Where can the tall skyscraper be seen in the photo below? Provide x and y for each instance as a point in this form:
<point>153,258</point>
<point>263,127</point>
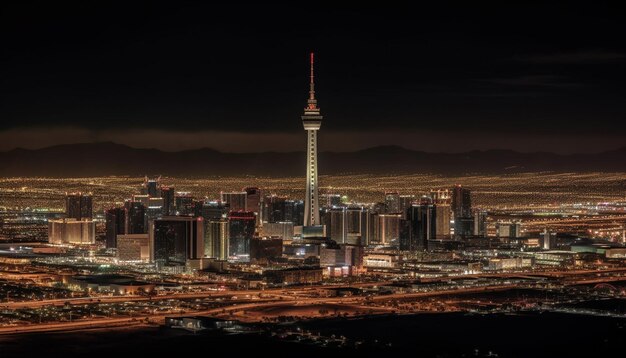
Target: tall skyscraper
<point>115,225</point>
<point>176,239</point>
<point>480,222</point>
<point>461,202</point>
<point>213,210</point>
<point>78,206</point>
<point>337,224</point>
<point>392,202</point>
<point>387,229</point>
<point>359,225</point>
<point>441,199</point>
<point>312,121</point>
<point>150,187</point>
<point>184,203</point>
<point>216,239</point>
<point>422,220</point>
<point>405,202</point>
<point>135,218</point>
<point>236,201</point>
<point>253,201</point>
<point>169,205</point>
<point>462,209</point>
<point>241,226</point>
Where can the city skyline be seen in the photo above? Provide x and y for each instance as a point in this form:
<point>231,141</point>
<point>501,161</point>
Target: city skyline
<point>466,196</point>
<point>459,79</point>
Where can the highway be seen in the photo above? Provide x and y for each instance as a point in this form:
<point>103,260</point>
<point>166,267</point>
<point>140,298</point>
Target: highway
<point>278,297</point>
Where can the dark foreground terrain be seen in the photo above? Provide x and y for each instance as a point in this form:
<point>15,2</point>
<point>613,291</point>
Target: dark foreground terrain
<point>426,335</point>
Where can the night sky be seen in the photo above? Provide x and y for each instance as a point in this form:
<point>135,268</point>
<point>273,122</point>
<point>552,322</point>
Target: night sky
<point>446,78</point>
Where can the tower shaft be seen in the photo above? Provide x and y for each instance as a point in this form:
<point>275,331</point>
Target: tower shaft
<point>311,121</point>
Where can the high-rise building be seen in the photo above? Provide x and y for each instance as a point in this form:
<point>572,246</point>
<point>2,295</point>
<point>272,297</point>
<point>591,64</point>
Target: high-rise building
<point>142,198</point>
<point>462,209</point>
<point>283,229</point>
<point>443,213</point>
<point>184,203</point>
<point>422,219</point>
<point>169,204</point>
<point>253,201</point>
<point>216,239</point>
<point>392,202</point>
<point>176,239</point>
<point>150,187</point>
<point>461,202</point>
<point>298,212</point>
<point>312,121</point>
<point>71,231</point>
<point>480,222</point>
<point>405,202</point>
<point>441,196</point>
<point>387,229</point>
<point>359,223</point>
<point>115,224</point>
<point>336,224</point>
<point>213,210</point>
<point>241,226</point>
<point>78,206</point>
<point>135,218</point>
<point>330,200</point>
<point>276,209</point>
<point>236,201</point>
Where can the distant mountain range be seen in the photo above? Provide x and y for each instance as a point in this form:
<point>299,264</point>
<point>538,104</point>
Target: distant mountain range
<point>103,159</point>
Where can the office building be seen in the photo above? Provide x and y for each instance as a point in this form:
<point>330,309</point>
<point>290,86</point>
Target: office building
<point>184,203</point>
<point>392,202</point>
<point>462,211</point>
<point>359,222</point>
<point>115,224</point>
<point>480,223</point>
<point>443,215</point>
<point>336,224</point>
<point>253,201</point>
<point>78,206</point>
<point>216,239</point>
<point>236,201</point>
<point>214,210</point>
<point>405,202</point>
<point>135,218</point>
<point>150,188</point>
<point>387,229</point>
<point>422,224</point>
<point>330,200</point>
<point>283,230</point>
<point>241,225</point>
<point>176,239</point>
<point>169,204</point>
